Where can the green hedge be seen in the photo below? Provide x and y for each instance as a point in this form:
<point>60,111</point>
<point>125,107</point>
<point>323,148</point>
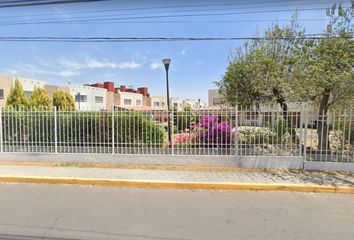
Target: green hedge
<point>131,129</point>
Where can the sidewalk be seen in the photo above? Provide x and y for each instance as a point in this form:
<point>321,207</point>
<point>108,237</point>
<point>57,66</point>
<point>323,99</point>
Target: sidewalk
<point>179,177</point>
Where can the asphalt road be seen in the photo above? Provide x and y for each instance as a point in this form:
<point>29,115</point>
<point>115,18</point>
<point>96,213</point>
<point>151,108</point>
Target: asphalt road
<point>58,212</point>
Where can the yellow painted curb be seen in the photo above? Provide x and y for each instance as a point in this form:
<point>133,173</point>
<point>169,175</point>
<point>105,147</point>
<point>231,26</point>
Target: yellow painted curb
<point>182,185</point>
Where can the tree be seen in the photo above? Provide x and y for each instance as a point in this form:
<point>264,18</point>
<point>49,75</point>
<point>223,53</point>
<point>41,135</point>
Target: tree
<point>262,71</point>
<point>326,68</point>
<point>63,100</point>
<point>17,97</point>
<point>40,99</point>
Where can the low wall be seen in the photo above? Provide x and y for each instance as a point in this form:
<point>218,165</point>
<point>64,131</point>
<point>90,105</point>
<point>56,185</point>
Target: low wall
<point>284,162</point>
<point>329,166</point>
<point>135,159</point>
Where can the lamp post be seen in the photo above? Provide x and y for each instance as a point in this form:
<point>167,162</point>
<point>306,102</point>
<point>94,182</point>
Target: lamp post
<point>167,62</point>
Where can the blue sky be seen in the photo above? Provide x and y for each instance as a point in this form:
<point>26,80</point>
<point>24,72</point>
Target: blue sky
<point>195,65</point>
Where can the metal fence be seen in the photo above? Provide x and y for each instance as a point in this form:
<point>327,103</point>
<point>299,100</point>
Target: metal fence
<point>204,132</point>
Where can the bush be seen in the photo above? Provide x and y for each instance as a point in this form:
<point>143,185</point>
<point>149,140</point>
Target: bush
<point>131,129</point>
<point>211,131</point>
<point>183,121</point>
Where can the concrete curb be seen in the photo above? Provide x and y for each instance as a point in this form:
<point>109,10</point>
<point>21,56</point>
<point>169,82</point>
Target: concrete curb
<point>181,185</point>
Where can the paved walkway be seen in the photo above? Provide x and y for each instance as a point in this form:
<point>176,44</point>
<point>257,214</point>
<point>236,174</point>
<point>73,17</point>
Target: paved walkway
<point>233,176</point>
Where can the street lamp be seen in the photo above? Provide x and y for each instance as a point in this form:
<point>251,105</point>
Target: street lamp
<point>167,62</point>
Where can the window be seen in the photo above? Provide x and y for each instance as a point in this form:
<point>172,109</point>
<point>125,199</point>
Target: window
<point>80,98</point>
<point>156,104</point>
<point>1,93</point>
<point>28,94</point>
<point>162,104</point>
<point>98,99</point>
<point>218,101</point>
<point>127,102</point>
<point>175,104</point>
<point>138,102</point>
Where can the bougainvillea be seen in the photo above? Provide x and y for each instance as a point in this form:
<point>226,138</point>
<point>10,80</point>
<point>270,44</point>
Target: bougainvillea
<point>212,131</point>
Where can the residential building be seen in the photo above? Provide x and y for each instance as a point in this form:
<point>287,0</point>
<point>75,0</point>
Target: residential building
<point>158,103</point>
<point>215,99</point>
<point>176,103</point>
<point>195,104</point>
<point>6,83</point>
<point>124,97</point>
<point>89,98</point>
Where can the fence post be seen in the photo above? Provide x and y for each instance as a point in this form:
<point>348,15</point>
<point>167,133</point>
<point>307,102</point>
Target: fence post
<point>305,137</point>
<point>301,130</point>
<point>113,130</point>
<point>55,131</point>
<point>1,131</point>
<point>172,132</point>
<point>236,134</point>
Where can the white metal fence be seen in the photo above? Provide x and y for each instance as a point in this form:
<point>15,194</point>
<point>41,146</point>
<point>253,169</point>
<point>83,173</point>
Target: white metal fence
<point>204,132</point>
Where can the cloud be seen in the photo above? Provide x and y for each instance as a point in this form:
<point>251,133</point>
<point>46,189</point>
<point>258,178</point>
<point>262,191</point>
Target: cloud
<point>67,73</point>
<point>90,63</point>
<point>184,51</point>
<point>30,69</point>
<point>155,65</point>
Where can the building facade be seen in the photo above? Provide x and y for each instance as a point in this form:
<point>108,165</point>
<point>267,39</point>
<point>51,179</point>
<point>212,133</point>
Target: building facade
<point>6,83</point>
<point>215,99</point>
<point>89,98</point>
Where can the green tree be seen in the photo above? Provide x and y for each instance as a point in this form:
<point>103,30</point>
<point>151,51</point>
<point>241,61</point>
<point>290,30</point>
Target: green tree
<point>326,68</point>
<point>17,97</point>
<point>63,100</point>
<point>40,99</point>
<point>262,71</point>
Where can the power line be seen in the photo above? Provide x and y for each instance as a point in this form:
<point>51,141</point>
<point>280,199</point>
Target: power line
<point>215,21</point>
<point>257,3</point>
<point>252,5</point>
<point>162,39</point>
<point>23,3</point>
<point>80,18</point>
<point>164,16</point>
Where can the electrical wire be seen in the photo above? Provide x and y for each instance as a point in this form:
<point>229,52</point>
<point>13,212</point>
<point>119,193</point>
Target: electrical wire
<point>10,4</point>
<point>162,16</point>
<point>164,39</point>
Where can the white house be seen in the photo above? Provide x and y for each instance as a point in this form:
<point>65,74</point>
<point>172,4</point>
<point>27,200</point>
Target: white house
<point>89,98</point>
<point>130,99</point>
<point>158,103</point>
<point>176,103</point>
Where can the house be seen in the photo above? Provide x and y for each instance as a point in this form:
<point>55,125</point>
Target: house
<point>6,83</point>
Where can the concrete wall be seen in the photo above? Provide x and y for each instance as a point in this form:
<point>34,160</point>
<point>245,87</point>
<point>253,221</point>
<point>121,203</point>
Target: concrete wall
<point>146,101</point>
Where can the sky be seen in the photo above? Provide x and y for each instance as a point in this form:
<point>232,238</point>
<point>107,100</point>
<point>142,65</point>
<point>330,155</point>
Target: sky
<point>195,66</point>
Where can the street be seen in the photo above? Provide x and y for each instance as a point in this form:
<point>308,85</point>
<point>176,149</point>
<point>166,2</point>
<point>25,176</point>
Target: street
<point>58,212</point>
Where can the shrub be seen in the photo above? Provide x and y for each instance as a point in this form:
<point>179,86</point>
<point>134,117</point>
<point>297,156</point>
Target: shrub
<point>63,101</point>
<point>183,120</point>
<point>213,132</point>
<point>75,129</point>
<point>131,129</point>
<point>17,98</point>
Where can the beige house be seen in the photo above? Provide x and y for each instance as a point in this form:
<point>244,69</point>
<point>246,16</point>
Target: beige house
<point>5,88</point>
<point>6,83</point>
